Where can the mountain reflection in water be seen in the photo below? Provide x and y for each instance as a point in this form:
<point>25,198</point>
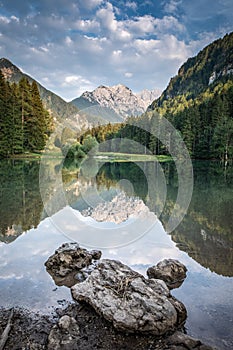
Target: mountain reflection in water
<point>206,232</point>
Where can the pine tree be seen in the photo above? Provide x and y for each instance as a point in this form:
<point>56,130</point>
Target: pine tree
<point>37,123</point>
<point>16,138</point>
<point>26,112</point>
<point>4,116</point>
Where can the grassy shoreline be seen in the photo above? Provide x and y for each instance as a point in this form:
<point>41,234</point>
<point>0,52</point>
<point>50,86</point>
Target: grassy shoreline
<point>128,157</point>
<point>100,156</point>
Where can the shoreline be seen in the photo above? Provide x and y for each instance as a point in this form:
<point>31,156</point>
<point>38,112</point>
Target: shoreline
<point>113,307</point>
<point>31,330</point>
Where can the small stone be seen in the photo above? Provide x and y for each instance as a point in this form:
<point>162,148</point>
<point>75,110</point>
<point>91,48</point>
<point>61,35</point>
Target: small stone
<point>64,335</point>
<point>179,340</point>
<point>171,271</point>
<point>64,322</point>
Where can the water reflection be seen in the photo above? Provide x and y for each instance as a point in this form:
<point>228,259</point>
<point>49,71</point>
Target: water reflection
<point>20,201</point>
<point>206,232</point>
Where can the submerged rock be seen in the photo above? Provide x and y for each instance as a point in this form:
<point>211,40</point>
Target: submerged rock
<point>130,301</point>
<point>171,271</point>
<point>70,264</point>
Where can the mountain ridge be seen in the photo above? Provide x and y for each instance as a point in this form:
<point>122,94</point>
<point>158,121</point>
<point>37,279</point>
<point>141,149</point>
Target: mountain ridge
<point>59,108</point>
<point>104,104</point>
<point>117,100</point>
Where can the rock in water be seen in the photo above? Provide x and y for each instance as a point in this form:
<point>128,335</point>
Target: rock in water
<point>171,271</point>
<point>130,301</point>
<point>70,264</point>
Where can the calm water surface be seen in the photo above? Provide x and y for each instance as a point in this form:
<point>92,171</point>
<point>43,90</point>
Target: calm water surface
<point>203,241</point>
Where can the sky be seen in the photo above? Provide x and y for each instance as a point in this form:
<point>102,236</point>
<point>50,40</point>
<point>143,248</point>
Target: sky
<point>71,46</point>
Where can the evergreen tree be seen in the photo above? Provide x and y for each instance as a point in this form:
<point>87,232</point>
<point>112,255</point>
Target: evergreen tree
<point>24,123</point>
<point>26,112</point>
<point>37,123</point>
<point>4,116</point>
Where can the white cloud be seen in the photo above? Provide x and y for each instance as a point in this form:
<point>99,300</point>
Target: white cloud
<point>128,75</point>
<point>90,4</point>
<point>87,25</point>
<point>45,49</point>
<point>168,23</point>
<point>107,17</point>
<point>171,6</point>
<point>68,41</point>
<point>78,84</point>
<point>14,18</point>
<point>146,46</point>
<point>131,4</point>
<point>117,54</point>
<point>141,25</point>
<point>173,49</point>
<point>115,29</point>
<point>123,35</point>
<point>4,19</point>
<point>72,79</point>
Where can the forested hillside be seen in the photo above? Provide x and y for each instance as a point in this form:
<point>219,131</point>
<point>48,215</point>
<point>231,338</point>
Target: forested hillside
<point>199,101</point>
<point>60,109</point>
<point>212,63</point>
<point>24,123</point>
<point>199,104</point>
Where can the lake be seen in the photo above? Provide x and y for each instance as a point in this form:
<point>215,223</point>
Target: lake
<point>42,207</point>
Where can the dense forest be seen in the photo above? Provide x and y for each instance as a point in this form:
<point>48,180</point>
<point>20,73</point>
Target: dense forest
<point>24,123</point>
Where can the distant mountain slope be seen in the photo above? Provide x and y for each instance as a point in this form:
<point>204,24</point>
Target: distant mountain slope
<point>212,64</point>
<point>115,103</point>
<point>199,101</point>
<point>60,109</point>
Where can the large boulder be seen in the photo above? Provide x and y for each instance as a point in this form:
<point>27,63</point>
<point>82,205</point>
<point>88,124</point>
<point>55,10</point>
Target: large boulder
<point>130,301</point>
<point>171,271</point>
<point>70,264</point>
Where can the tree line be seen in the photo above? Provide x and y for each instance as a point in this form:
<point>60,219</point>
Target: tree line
<point>205,123</point>
<point>25,124</point>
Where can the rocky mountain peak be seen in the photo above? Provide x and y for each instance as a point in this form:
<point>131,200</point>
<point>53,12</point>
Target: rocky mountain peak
<point>148,96</point>
<point>119,99</point>
<point>8,68</point>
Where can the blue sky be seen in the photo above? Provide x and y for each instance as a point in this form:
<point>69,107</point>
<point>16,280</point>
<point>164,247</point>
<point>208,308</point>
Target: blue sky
<point>71,46</point>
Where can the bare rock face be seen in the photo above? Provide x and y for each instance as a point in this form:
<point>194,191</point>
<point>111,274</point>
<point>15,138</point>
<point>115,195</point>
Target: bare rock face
<point>64,335</point>
<point>118,99</point>
<point>128,300</point>
<point>70,264</point>
<point>171,271</point>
